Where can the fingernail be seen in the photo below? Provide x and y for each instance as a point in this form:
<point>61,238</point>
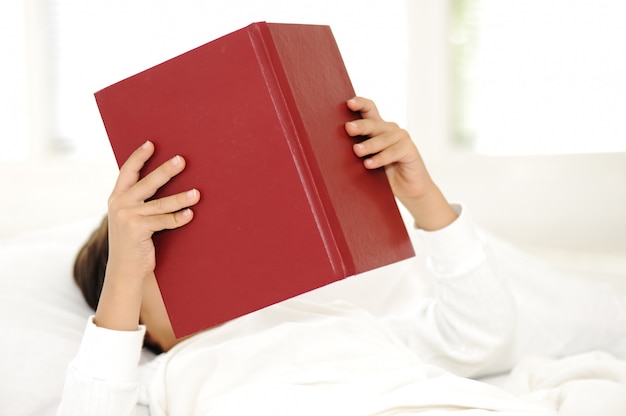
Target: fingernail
<point>176,160</point>
<point>359,146</point>
<point>146,144</point>
<point>186,212</point>
<point>192,193</point>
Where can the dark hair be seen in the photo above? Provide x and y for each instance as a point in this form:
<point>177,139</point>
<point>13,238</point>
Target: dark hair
<point>91,263</point>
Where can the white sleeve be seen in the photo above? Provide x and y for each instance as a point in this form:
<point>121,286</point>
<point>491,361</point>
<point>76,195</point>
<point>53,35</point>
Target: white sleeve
<point>103,378</point>
<point>468,326</point>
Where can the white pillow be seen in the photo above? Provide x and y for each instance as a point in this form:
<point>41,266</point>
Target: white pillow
<point>42,317</point>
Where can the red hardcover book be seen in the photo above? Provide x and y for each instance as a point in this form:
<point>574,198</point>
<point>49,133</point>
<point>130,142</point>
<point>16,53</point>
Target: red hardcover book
<point>286,206</point>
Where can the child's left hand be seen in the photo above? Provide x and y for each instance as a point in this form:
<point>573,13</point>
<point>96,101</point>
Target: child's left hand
<point>391,147</point>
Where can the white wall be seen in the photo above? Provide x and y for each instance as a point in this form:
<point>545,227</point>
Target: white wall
<point>99,42</point>
<point>576,202</point>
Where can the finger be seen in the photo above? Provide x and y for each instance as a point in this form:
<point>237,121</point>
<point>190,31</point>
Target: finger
<point>366,107</point>
<point>384,158</point>
<point>369,127</point>
<point>150,183</point>
<point>170,204</point>
<point>376,144</point>
<point>169,221</point>
<point>402,151</point>
<point>129,172</point>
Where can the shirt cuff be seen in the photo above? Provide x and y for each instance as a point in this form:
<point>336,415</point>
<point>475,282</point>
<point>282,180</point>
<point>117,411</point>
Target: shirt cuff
<point>110,355</point>
<point>455,249</point>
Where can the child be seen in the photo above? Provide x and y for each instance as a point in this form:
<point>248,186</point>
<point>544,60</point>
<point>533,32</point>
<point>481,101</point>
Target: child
<point>467,329</point>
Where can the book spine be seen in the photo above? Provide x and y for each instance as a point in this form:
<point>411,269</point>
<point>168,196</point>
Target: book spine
<point>295,134</point>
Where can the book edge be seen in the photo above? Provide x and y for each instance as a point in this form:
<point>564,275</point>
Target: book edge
<point>278,86</point>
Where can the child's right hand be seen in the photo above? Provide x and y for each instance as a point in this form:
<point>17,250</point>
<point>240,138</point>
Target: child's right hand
<point>132,222</point>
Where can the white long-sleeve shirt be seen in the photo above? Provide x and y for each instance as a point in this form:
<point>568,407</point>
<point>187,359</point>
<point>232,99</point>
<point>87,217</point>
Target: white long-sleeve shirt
<point>466,327</point>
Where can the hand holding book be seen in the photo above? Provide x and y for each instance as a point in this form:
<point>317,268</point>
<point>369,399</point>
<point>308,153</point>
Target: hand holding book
<point>391,147</point>
<point>129,285</point>
<point>134,218</point>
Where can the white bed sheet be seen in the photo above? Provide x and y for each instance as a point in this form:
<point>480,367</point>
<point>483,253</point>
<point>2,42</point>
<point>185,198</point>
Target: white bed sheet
<point>42,317</point>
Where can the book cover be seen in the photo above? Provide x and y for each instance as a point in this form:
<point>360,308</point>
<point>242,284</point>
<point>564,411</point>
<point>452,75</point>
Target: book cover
<point>286,206</point>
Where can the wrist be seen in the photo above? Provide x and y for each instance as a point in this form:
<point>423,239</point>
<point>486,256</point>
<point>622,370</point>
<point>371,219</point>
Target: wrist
<point>430,211</point>
<point>133,268</point>
<point>120,302</point>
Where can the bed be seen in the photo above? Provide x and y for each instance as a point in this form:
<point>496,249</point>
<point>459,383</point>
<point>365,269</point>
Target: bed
<point>570,344</point>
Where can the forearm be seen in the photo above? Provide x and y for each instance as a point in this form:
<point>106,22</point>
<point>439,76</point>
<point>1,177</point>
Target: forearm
<point>120,302</point>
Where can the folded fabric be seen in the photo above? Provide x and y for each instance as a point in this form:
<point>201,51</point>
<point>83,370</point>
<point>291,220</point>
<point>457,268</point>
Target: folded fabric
<point>322,359</point>
<point>592,383</point>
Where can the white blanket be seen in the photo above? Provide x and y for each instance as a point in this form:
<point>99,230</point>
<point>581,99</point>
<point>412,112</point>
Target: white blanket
<point>42,318</point>
<point>359,369</point>
<point>586,384</point>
